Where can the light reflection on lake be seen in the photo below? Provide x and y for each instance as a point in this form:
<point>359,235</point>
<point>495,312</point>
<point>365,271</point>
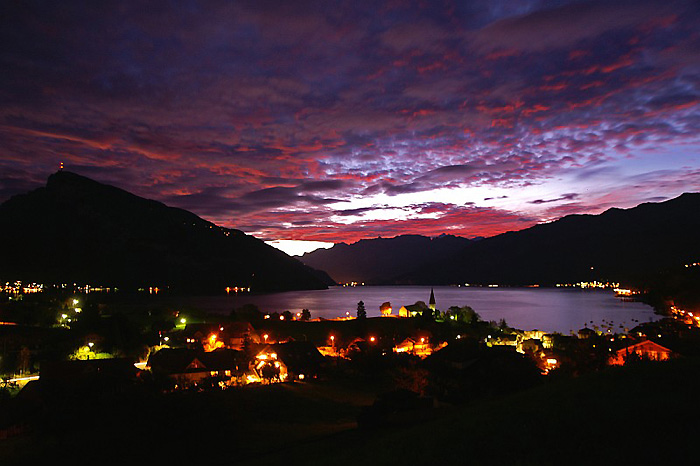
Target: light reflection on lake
<point>548,309</point>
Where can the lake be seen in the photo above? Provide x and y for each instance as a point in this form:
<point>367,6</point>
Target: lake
<point>548,309</point>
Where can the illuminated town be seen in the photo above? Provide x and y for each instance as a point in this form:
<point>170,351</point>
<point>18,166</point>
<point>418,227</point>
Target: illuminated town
<point>439,357</point>
<point>257,348</point>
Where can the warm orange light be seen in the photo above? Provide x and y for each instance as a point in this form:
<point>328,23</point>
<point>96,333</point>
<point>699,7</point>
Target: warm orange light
<point>372,339</point>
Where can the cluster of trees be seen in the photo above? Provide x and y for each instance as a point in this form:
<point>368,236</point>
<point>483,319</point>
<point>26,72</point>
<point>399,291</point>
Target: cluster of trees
<point>462,314</point>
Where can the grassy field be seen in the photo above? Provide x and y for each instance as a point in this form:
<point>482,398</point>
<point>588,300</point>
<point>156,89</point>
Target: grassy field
<point>227,426</point>
<point>643,414</point>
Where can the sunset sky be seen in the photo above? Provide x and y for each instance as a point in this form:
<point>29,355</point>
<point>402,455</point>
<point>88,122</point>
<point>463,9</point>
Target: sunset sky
<point>336,121</point>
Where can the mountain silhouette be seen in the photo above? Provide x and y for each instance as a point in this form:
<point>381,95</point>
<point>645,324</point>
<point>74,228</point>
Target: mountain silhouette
<point>380,260</point>
<point>76,230</point>
<point>628,245</point>
<point>635,246</point>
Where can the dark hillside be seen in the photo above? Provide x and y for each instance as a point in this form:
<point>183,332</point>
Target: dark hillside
<point>78,230</point>
<point>632,245</point>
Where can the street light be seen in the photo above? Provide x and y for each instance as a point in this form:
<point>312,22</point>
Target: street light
<point>90,344</point>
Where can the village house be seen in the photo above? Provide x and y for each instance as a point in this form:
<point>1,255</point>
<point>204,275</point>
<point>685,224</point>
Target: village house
<point>646,349</point>
<point>385,309</point>
<point>419,346</point>
<point>587,333</point>
<point>189,367</point>
<point>293,360</point>
<point>230,335</point>
<point>179,364</point>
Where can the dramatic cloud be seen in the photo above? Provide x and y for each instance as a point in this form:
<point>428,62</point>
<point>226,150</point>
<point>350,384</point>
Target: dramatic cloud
<point>336,121</point>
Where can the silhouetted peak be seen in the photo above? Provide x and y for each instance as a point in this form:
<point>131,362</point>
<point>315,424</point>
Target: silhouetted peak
<point>85,231</point>
<point>63,178</point>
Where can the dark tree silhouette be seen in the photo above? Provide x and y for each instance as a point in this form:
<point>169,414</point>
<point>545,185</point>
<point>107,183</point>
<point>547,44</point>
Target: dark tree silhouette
<point>361,312</point>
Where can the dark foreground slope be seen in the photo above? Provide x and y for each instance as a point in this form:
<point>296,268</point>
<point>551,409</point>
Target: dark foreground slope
<point>379,260</point>
<point>631,245</point>
<point>641,414</point>
<point>78,230</point>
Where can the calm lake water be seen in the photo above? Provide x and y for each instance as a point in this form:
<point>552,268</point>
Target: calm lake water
<point>551,310</point>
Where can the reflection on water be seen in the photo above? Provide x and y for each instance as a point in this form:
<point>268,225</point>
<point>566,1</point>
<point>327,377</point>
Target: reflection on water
<point>551,310</point>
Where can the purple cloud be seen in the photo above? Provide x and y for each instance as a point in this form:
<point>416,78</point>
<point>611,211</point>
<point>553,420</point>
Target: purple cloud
<point>265,115</point>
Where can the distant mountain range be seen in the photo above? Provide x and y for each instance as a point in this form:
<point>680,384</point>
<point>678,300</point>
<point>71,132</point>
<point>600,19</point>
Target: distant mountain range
<point>78,230</point>
<point>629,245</point>
<point>383,260</point>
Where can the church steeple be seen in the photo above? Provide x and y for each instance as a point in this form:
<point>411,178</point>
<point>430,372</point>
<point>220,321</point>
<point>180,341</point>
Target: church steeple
<point>431,303</point>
